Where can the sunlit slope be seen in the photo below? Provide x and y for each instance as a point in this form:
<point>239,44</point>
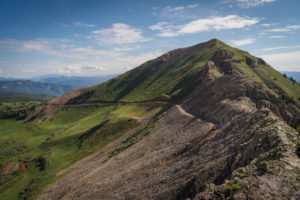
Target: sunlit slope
<point>45,148</point>
<point>176,73</point>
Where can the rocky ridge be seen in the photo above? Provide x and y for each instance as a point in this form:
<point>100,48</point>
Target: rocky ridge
<point>252,156</point>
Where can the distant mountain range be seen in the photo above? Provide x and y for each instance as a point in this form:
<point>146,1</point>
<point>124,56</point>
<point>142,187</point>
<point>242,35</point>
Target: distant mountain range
<point>46,86</point>
<point>32,87</point>
<point>21,96</point>
<point>74,81</point>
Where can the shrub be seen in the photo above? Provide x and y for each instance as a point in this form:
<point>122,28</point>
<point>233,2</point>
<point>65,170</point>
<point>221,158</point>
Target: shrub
<point>232,188</point>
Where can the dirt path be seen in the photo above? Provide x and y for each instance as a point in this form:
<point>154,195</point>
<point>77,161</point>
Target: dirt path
<point>182,111</point>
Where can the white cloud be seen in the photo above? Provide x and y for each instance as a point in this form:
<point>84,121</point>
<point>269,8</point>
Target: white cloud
<point>242,42</point>
<point>126,48</point>
<point>28,70</point>
<point>90,51</point>
<point>289,61</point>
<point>277,36</point>
<point>93,68</point>
<point>78,69</point>
<point>119,34</point>
<point>84,24</point>
<point>177,12</point>
<point>217,23</point>
<point>41,45</point>
<point>178,8</point>
<point>268,25</point>
<point>252,3</point>
<point>286,29</point>
<point>281,47</point>
<point>0,71</point>
<point>201,25</point>
<point>192,6</point>
<point>166,29</point>
<point>55,47</point>
<point>106,65</point>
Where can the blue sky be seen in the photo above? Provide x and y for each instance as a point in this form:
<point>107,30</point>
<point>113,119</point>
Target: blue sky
<point>89,37</point>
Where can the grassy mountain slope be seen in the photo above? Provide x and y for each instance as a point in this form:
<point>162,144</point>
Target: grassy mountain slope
<point>175,74</point>
<point>128,122</point>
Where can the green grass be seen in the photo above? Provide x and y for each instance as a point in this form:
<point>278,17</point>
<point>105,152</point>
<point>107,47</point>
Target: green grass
<point>152,80</point>
<point>230,189</point>
<point>48,147</point>
<point>171,80</point>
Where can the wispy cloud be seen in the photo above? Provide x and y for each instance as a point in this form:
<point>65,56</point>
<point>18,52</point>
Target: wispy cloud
<point>268,25</point>
<point>40,45</point>
<point>126,48</point>
<point>192,6</point>
<point>281,47</point>
<point>108,65</point>
<point>78,23</point>
<point>242,42</point>
<point>166,29</point>
<point>84,24</point>
<point>176,12</point>
<point>285,29</point>
<point>93,68</point>
<point>289,63</point>
<point>277,36</point>
<point>207,24</point>
<point>218,23</point>
<point>119,34</point>
<point>174,9</point>
<point>62,24</point>
<point>252,3</point>
<point>60,48</point>
<point>75,59</point>
<point>28,70</point>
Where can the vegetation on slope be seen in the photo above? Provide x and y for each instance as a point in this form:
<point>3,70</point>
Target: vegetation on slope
<point>17,109</point>
<point>32,152</point>
<point>175,74</point>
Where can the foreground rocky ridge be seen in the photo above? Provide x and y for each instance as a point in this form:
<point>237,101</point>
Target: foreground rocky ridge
<point>185,155</point>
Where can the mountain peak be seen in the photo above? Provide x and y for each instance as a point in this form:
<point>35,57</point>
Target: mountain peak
<point>214,41</point>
